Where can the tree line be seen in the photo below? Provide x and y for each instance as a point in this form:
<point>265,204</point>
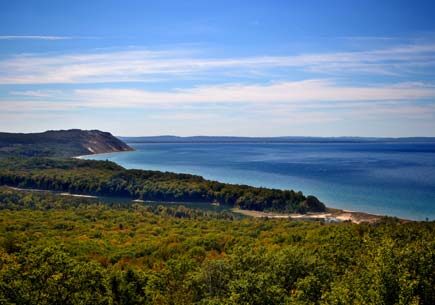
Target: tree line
<point>109,179</point>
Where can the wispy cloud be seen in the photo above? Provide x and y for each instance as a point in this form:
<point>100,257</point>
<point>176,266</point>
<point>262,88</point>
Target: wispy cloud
<point>33,37</point>
<point>29,106</point>
<point>36,93</point>
<point>278,93</point>
<point>307,93</point>
<point>284,92</point>
<point>146,65</point>
<point>270,109</point>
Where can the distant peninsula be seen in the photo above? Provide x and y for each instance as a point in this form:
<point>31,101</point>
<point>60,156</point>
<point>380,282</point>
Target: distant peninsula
<point>284,139</point>
<point>60,143</point>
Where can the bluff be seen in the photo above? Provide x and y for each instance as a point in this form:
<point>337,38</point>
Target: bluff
<point>60,143</point>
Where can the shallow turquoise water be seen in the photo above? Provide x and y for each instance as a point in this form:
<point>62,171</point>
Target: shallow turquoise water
<point>386,178</point>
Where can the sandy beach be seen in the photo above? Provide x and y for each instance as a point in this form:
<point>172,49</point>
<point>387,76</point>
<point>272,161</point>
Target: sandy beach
<point>333,215</point>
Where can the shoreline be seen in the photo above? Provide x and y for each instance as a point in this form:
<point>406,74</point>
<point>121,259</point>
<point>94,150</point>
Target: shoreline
<point>49,191</point>
<point>330,215</point>
<point>81,157</point>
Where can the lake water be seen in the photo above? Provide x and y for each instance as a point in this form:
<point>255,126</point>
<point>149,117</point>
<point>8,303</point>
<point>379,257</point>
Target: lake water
<point>387,178</point>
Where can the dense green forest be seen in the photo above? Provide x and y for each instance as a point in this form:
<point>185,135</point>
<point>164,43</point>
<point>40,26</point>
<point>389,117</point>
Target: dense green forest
<point>62,250</point>
<point>109,179</point>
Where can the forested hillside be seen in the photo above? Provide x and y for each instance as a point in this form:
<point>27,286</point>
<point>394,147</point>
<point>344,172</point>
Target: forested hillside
<point>62,250</point>
<point>59,143</point>
<point>109,179</point>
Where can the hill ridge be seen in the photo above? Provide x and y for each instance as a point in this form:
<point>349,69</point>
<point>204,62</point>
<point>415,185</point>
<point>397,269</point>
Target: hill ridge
<point>60,143</point>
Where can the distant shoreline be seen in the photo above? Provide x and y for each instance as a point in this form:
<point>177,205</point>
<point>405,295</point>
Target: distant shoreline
<point>270,140</point>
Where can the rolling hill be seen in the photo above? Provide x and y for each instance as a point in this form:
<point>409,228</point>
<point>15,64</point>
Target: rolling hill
<point>60,143</point>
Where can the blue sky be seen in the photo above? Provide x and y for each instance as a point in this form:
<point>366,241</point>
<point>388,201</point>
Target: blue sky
<point>253,68</point>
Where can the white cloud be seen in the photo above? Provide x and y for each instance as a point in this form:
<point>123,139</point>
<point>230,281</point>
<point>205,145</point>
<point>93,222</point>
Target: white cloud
<point>146,65</point>
<point>309,94</point>
<point>37,93</point>
<point>284,92</point>
<point>302,108</point>
<point>33,37</point>
<point>28,106</point>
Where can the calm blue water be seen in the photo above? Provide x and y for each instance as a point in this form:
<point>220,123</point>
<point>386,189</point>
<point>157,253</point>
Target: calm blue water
<point>383,178</point>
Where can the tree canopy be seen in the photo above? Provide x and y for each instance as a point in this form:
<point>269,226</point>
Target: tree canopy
<point>109,179</point>
<point>62,250</point>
